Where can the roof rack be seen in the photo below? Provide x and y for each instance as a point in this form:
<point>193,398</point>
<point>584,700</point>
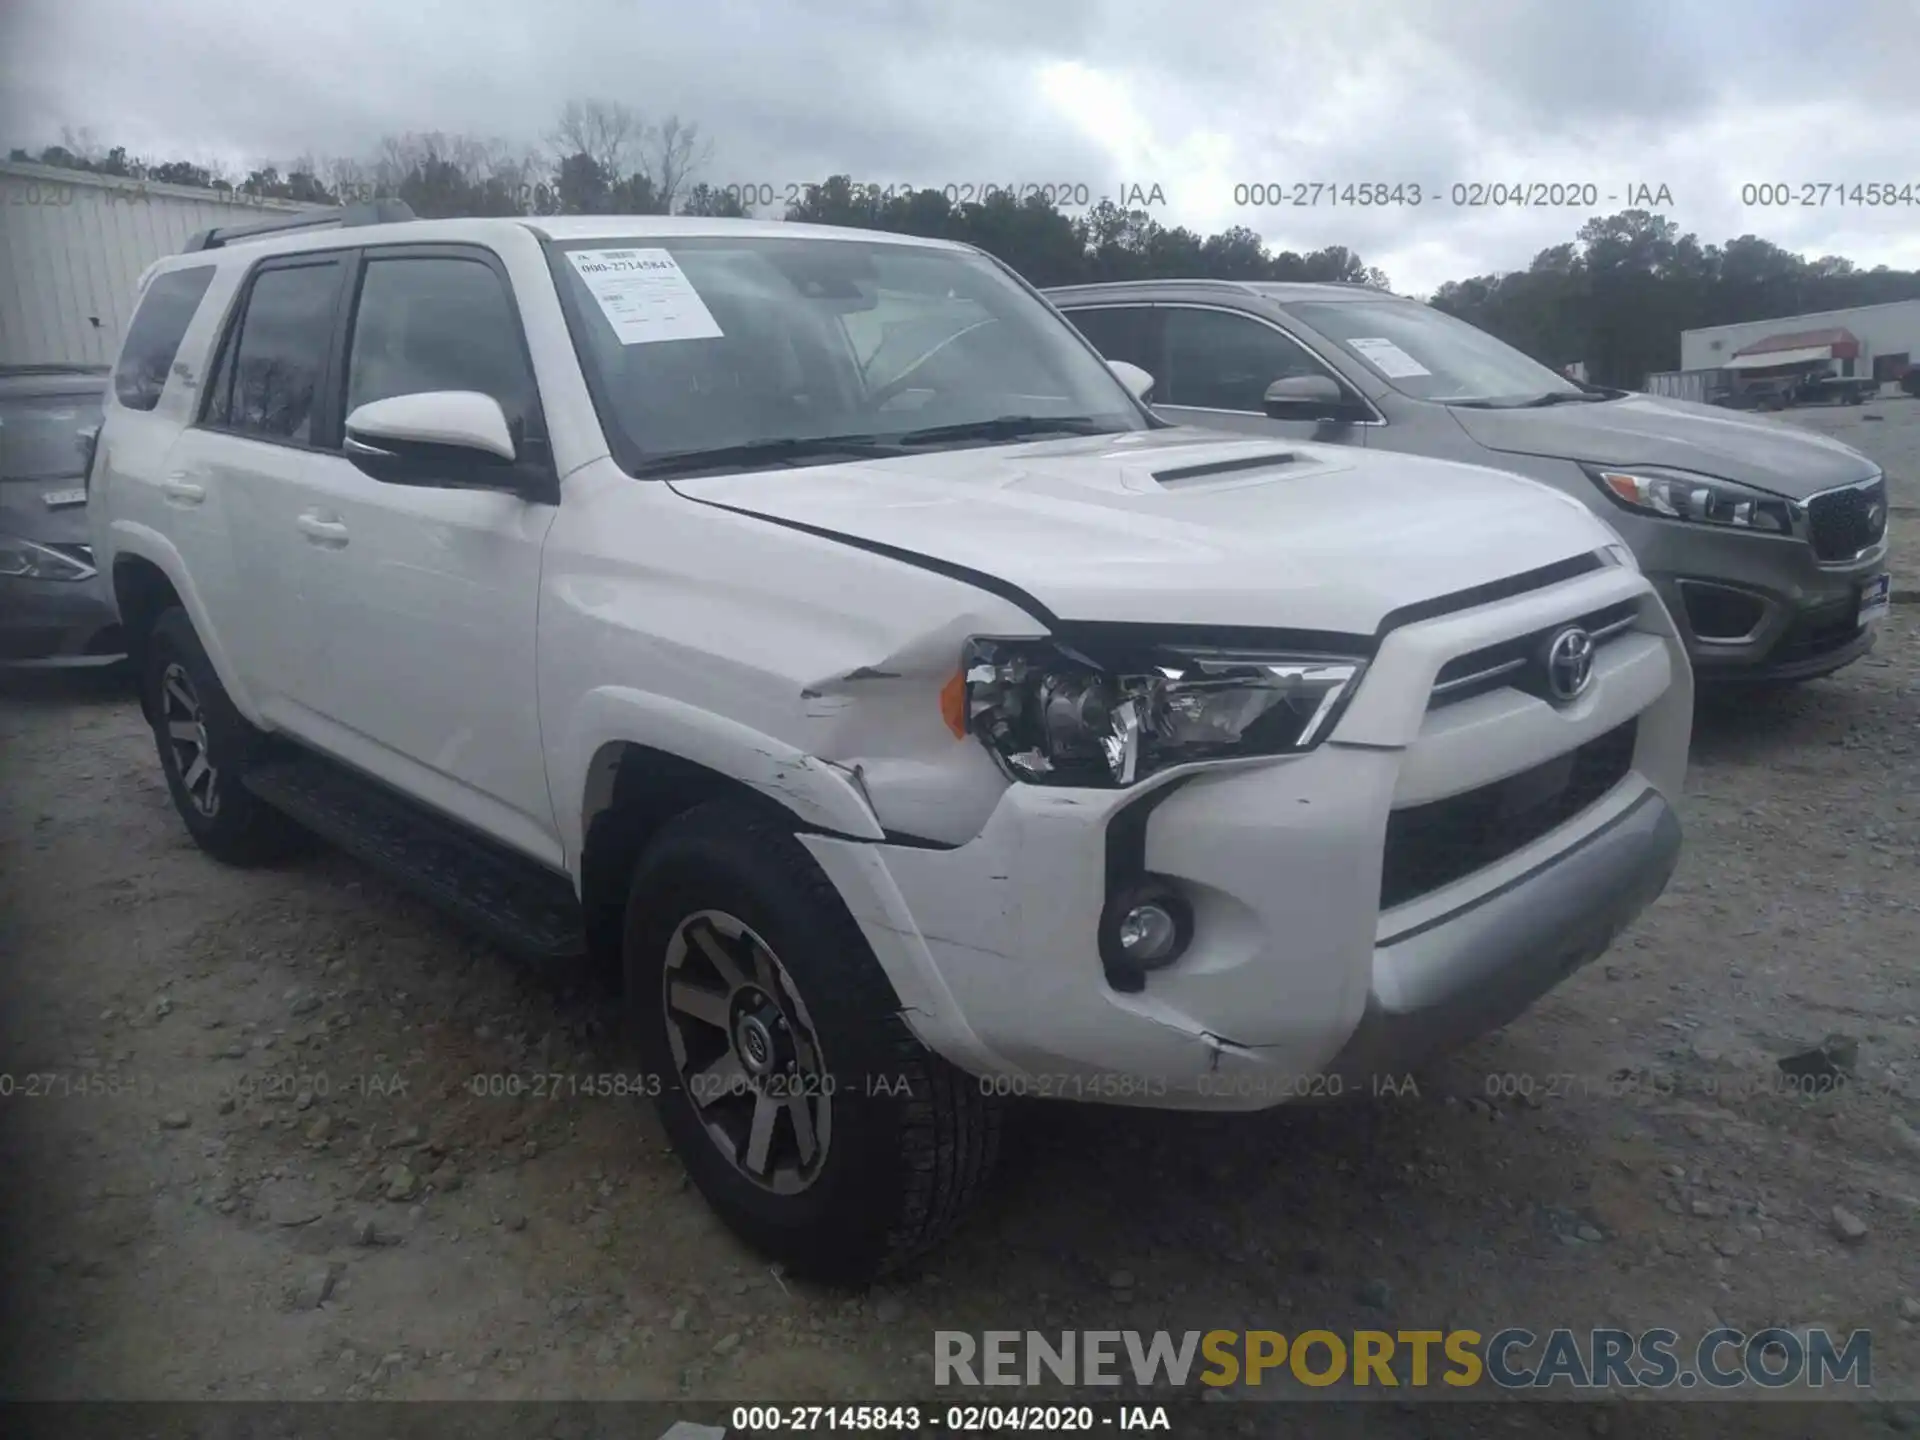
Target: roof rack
<point>56,367</point>
<point>373,212</point>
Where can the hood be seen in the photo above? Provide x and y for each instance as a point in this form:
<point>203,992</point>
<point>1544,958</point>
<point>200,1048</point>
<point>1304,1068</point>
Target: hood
<point>1184,526</point>
<point>1652,430</point>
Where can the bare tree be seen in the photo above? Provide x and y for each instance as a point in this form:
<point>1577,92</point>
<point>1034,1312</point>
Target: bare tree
<point>606,131</point>
<point>674,154</point>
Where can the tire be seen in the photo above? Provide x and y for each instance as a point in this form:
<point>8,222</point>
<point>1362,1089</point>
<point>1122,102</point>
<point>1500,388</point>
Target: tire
<point>180,689</point>
<point>903,1142</point>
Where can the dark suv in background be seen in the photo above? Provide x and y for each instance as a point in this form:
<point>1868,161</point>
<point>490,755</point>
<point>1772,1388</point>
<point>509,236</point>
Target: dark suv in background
<point>1767,542</point>
<point>55,608</point>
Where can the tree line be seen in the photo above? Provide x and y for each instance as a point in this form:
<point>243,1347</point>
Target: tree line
<point>1616,297</point>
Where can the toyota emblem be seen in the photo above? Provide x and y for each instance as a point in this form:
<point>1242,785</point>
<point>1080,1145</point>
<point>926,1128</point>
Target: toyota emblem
<point>1570,664</point>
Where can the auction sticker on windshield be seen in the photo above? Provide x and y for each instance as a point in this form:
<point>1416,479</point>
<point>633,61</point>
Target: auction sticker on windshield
<point>1876,597</point>
<point>1388,358</point>
<point>645,296</point>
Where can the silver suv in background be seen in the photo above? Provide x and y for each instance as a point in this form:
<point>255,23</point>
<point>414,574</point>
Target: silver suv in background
<point>1767,542</point>
<point>55,609</point>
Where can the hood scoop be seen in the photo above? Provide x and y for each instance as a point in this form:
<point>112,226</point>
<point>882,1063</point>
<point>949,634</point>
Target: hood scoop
<point>1187,474</point>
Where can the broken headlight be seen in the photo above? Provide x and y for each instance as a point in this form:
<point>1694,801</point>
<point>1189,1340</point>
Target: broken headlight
<point>1054,717</point>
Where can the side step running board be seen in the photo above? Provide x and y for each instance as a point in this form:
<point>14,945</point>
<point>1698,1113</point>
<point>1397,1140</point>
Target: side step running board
<point>514,902</point>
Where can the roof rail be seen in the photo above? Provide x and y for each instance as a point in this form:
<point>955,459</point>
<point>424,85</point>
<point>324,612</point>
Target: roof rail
<point>372,212</point>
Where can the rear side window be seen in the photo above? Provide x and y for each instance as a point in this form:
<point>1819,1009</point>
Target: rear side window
<point>437,323</point>
<point>153,339</point>
<point>272,370</point>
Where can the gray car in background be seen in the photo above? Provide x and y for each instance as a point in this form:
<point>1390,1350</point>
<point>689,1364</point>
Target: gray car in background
<point>55,608</point>
<point>1767,542</point>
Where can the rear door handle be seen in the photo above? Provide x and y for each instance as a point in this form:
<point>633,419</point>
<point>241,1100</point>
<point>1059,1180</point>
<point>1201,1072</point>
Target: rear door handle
<point>322,529</point>
<point>182,490</point>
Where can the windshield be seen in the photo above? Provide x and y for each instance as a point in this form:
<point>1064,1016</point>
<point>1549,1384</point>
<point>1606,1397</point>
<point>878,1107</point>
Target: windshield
<point>40,435</point>
<point>1428,354</point>
<point>696,344</point>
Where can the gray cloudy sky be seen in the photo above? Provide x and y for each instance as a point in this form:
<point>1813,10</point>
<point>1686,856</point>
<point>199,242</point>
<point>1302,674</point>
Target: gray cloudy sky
<point>1196,96</point>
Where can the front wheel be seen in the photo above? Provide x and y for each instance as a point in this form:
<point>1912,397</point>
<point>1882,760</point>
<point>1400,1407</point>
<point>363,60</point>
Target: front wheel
<point>204,743</point>
<point>811,1118</point>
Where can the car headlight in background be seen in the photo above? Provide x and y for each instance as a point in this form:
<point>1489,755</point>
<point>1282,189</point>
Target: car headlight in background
<point>1697,498</point>
<point>26,560</point>
<point>1054,717</point>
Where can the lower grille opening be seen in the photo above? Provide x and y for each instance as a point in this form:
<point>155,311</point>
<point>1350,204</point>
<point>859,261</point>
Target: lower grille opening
<point>1814,635</point>
<point>1717,613</point>
<point>1432,845</point>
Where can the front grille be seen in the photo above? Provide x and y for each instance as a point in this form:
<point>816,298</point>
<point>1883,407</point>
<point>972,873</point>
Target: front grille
<point>1842,523</point>
<point>1521,663</point>
<point>1446,840</point>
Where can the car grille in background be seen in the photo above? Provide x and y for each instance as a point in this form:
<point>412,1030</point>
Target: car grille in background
<point>1842,523</point>
<point>1521,663</point>
<point>1446,840</point>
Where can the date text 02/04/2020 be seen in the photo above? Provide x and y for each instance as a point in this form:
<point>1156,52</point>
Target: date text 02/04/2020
<point>1273,1089</point>
<point>959,1419</point>
<point>1070,194</point>
<point>1466,194</point>
<point>86,1084</point>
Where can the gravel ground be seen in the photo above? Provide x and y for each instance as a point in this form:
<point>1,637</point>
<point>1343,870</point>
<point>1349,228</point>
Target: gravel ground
<point>280,1184</point>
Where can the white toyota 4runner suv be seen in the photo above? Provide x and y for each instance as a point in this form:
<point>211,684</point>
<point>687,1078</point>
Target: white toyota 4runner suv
<point>810,623</point>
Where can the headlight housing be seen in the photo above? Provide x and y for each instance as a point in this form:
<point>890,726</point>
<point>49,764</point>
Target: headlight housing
<point>27,560</point>
<point>1054,717</point>
<point>1700,499</point>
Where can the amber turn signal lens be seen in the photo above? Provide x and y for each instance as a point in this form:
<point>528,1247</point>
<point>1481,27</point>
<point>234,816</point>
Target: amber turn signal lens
<point>953,704</point>
<point>1624,486</point>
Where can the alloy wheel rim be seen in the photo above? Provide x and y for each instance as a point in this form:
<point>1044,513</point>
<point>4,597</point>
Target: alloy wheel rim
<point>746,1052</point>
<point>185,724</point>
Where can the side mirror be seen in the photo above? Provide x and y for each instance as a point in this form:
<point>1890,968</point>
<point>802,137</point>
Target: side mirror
<point>1137,381</point>
<point>1310,397</point>
<point>458,439</point>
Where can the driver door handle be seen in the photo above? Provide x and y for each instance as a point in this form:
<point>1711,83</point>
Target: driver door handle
<point>182,489</point>
<point>323,529</point>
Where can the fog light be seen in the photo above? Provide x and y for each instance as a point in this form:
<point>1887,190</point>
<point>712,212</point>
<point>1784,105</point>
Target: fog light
<point>1147,926</point>
<point>1148,933</point>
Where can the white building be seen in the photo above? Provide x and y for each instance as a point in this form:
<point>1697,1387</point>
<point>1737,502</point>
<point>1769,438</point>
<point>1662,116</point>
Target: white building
<point>1882,340</point>
<point>73,245</point>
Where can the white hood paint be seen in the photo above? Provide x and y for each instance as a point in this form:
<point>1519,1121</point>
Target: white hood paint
<point>1334,540</point>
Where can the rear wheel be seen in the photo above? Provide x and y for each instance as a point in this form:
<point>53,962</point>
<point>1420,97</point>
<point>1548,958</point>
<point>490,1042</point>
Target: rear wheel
<point>204,744</point>
<point>810,1117</point>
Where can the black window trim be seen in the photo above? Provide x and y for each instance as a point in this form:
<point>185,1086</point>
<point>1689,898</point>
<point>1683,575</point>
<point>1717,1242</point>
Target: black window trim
<point>538,465</point>
<point>325,420</point>
<point>1379,418</point>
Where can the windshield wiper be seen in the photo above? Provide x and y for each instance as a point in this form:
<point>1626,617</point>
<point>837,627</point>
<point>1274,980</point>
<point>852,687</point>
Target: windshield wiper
<point>790,450</point>
<point>1534,402</point>
<point>1009,427</point>
<point>1559,397</point>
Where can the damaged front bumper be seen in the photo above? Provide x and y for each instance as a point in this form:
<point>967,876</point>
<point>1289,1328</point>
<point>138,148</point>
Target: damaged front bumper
<point>1293,989</point>
<point>1306,976</point>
